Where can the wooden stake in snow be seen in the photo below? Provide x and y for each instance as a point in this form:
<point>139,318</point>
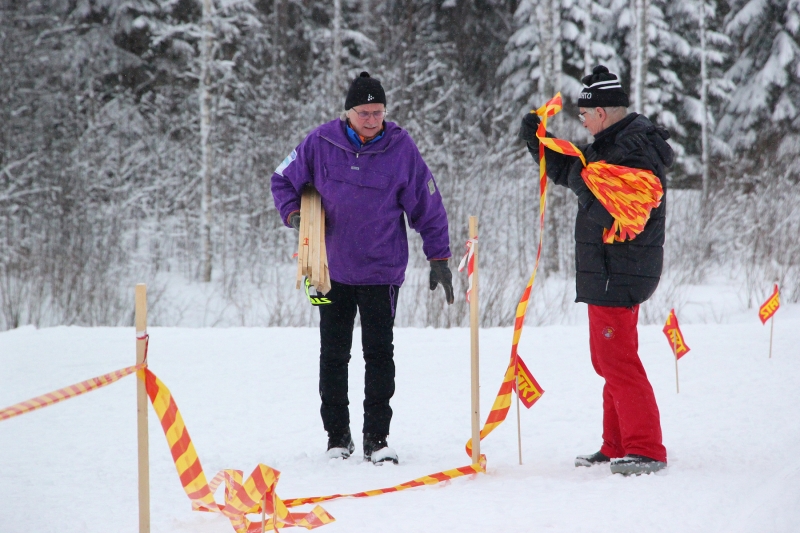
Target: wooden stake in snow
<point>474,324</point>
<point>519,426</point>
<point>312,255</point>
<point>141,410</point>
<point>677,385</point>
<point>771,330</point>
<point>264,514</point>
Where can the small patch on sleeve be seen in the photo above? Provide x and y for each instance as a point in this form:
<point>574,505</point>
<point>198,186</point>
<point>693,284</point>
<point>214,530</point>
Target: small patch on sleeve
<point>431,186</point>
<point>286,162</point>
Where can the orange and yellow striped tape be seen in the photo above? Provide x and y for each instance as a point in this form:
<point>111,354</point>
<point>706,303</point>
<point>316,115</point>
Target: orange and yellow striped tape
<point>502,402</point>
<point>51,398</point>
<point>430,479</point>
<point>241,498</point>
<point>629,194</point>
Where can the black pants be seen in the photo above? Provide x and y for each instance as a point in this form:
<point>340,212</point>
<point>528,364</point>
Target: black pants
<point>376,304</point>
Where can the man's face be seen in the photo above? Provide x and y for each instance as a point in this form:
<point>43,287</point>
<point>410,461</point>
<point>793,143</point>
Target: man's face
<point>367,119</point>
<point>594,119</point>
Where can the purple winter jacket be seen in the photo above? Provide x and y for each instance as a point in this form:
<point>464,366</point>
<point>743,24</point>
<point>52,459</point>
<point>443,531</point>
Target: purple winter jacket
<point>365,193</point>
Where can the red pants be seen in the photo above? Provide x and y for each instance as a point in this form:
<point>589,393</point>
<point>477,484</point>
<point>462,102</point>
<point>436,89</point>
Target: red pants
<point>631,422</point>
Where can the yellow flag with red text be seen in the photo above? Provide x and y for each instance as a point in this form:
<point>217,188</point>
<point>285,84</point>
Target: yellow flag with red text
<point>529,391</point>
<point>674,335</point>
<point>769,307</point>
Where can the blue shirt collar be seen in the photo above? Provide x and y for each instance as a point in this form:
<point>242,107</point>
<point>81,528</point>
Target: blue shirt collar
<point>356,140</point>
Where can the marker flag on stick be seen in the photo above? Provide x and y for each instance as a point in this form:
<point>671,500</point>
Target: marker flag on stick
<point>769,307</point>
<point>674,335</point>
<point>529,390</point>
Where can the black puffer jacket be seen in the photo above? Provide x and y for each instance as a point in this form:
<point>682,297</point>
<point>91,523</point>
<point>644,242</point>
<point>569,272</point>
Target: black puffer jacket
<point>621,274</point>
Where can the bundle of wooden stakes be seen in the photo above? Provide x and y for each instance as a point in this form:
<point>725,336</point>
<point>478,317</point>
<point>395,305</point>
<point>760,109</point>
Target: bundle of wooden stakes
<point>312,257</point>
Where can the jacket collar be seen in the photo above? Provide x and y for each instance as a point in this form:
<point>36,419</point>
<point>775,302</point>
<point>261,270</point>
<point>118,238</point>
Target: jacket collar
<point>335,132</point>
<point>359,141</point>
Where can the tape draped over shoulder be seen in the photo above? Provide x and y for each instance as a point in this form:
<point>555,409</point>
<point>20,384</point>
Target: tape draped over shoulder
<point>619,235</point>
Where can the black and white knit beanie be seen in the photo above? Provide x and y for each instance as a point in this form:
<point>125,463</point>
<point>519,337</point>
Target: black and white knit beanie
<point>602,89</point>
<point>364,90</point>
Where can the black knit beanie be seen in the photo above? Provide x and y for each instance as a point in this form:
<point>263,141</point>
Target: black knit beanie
<point>602,89</point>
<point>364,90</point>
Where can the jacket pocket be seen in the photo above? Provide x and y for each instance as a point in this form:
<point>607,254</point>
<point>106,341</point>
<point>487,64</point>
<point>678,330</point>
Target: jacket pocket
<point>356,175</point>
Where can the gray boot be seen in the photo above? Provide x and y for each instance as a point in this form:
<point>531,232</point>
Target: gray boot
<point>636,465</point>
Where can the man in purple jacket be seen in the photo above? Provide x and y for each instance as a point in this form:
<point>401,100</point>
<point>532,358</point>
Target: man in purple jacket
<point>369,174</point>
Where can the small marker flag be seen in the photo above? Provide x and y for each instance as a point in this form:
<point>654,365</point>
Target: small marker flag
<point>674,336</point>
<point>529,390</point>
<point>766,311</point>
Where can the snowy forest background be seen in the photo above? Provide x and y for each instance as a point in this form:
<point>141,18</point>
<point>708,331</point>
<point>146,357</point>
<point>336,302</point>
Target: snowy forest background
<point>138,140</point>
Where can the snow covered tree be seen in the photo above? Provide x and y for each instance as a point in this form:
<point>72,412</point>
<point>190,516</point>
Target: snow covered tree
<point>761,121</point>
<point>561,40</point>
<point>554,46</point>
<point>702,51</point>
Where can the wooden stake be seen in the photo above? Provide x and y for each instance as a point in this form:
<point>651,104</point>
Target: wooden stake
<point>474,324</point>
<point>141,410</point>
<point>771,329</point>
<point>312,256</point>
<point>519,427</point>
<point>325,285</point>
<point>316,261</point>
<point>300,237</point>
<point>677,387</point>
<point>264,514</point>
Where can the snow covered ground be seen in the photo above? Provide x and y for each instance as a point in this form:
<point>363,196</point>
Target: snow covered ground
<point>249,395</point>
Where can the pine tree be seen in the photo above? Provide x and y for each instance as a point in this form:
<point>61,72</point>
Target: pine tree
<point>702,51</point>
<point>761,120</point>
<point>553,47</point>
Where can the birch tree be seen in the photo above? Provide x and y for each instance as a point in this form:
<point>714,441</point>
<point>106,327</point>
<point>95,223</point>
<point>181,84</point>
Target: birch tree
<point>639,60</point>
<point>204,95</point>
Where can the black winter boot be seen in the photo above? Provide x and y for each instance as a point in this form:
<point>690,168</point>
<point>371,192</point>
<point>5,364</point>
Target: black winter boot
<point>596,458</point>
<point>377,450</point>
<point>340,445</point>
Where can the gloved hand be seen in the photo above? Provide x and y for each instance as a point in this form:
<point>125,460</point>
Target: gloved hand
<point>440,273</point>
<point>294,220</point>
<point>578,186</point>
<point>527,128</point>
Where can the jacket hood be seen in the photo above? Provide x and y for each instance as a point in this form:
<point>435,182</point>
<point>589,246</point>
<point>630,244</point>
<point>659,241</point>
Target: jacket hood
<point>636,129</point>
<point>657,135</point>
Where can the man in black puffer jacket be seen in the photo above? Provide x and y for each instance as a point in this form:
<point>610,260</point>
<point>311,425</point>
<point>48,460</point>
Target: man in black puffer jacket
<point>615,278</point>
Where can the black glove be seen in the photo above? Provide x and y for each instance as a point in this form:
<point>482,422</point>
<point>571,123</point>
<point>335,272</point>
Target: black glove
<point>440,273</point>
<point>294,220</point>
<point>578,186</point>
<point>527,128</point>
